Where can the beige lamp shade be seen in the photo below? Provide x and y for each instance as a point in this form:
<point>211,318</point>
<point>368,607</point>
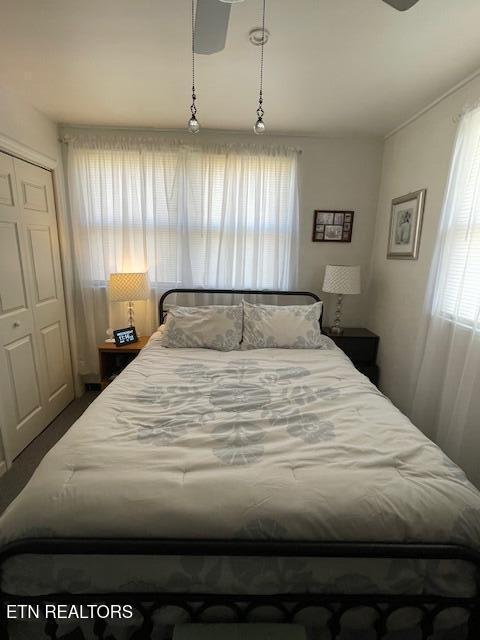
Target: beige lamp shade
<point>126,287</point>
<point>342,279</point>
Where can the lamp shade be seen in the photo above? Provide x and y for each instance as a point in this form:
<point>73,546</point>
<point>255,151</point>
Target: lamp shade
<point>126,287</point>
<point>342,279</point>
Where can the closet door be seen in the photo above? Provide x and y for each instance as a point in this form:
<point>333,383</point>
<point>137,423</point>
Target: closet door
<point>37,206</point>
<point>23,415</point>
<point>34,355</point>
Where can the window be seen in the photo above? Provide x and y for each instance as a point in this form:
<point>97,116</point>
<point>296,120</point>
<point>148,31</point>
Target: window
<point>216,216</point>
<point>458,290</point>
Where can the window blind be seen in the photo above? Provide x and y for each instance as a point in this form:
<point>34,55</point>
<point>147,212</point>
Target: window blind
<point>458,295</point>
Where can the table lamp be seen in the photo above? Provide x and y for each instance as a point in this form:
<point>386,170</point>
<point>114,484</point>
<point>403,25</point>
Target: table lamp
<point>342,280</point>
<point>127,287</point>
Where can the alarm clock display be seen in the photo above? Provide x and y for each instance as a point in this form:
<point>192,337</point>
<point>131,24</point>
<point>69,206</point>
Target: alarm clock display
<point>125,336</point>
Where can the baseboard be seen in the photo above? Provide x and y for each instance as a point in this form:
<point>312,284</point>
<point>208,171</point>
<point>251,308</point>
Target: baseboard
<point>3,468</point>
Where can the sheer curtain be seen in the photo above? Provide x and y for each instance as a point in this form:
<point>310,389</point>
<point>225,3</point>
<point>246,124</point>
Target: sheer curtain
<point>447,397</point>
<point>203,216</point>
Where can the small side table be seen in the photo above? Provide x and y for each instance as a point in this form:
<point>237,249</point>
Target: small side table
<point>114,359</point>
<point>361,346</point>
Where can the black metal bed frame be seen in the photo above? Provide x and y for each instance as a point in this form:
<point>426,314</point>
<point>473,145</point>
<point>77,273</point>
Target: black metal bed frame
<point>243,292</point>
<point>241,607</point>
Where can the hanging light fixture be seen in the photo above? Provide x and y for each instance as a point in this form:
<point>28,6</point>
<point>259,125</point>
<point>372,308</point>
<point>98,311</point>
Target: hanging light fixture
<point>259,126</point>
<point>193,125</point>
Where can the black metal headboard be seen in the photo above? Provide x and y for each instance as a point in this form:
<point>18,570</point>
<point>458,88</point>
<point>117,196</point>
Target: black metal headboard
<point>244,292</point>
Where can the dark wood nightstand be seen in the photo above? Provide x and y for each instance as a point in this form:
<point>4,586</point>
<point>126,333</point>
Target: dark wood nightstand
<point>361,346</point>
<point>114,359</point>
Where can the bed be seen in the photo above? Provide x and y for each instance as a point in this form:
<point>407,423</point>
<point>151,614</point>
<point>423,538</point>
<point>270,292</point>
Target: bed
<point>267,484</point>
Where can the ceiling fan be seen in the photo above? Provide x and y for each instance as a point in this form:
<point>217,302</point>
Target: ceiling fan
<point>211,22</point>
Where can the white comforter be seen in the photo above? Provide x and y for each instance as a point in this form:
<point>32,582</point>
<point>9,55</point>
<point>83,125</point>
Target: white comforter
<point>284,444</point>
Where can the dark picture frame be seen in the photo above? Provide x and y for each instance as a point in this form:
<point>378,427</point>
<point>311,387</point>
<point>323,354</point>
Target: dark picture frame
<point>332,226</point>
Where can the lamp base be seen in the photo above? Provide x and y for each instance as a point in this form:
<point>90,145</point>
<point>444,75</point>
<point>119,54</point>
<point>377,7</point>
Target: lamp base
<point>131,314</point>
<point>336,330</point>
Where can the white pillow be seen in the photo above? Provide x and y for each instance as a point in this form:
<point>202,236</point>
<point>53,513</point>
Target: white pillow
<point>212,327</point>
<point>284,327</point>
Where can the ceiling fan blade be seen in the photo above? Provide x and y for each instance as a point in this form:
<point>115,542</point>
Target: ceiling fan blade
<point>211,24</point>
<point>401,5</point>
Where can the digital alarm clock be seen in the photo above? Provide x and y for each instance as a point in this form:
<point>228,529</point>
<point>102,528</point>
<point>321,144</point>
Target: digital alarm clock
<point>125,336</point>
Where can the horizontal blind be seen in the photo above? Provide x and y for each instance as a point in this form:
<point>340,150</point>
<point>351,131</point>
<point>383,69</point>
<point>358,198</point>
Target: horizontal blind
<point>458,295</point>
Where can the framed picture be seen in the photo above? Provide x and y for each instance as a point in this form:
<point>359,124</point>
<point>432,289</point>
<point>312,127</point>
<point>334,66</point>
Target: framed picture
<point>406,226</point>
<point>324,217</point>
<point>332,226</point>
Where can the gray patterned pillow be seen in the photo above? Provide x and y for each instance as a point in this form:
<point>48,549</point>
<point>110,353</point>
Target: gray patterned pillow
<point>284,327</point>
<point>213,327</point>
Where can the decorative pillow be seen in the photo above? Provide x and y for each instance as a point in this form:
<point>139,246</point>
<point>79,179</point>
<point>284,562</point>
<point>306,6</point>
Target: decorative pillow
<point>213,327</point>
<point>284,327</point>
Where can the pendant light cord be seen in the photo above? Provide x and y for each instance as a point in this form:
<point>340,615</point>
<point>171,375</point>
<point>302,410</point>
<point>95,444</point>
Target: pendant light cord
<point>193,108</point>
<point>260,111</point>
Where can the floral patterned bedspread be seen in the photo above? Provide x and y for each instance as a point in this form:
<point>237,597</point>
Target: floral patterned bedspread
<point>269,443</point>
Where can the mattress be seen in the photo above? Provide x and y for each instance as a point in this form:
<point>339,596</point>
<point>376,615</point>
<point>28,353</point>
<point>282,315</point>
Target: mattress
<point>264,444</point>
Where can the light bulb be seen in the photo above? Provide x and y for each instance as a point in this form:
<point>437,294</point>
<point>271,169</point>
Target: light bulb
<point>193,125</point>
<point>259,127</point>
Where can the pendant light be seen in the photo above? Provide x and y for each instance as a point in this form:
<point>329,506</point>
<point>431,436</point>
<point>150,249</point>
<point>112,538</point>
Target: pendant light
<point>259,126</point>
<point>193,125</point>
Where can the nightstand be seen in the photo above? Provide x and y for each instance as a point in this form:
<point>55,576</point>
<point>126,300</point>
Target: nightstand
<point>114,359</point>
<point>361,346</point>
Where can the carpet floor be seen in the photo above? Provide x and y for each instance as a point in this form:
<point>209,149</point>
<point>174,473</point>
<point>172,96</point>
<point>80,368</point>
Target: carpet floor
<point>13,481</point>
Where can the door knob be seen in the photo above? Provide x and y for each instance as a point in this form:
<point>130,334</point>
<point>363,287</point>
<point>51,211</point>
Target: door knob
<point>16,323</point>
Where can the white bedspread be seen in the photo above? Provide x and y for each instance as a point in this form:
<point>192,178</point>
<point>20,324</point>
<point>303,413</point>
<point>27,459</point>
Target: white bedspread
<point>283,444</point>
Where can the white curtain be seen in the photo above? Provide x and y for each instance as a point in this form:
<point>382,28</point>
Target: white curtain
<point>447,397</point>
<point>201,215</point>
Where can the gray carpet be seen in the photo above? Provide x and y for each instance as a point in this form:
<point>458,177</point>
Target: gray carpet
<point>13,481</point>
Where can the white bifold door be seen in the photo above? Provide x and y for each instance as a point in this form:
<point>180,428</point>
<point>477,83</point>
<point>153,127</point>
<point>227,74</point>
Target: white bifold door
<point>35,369</point>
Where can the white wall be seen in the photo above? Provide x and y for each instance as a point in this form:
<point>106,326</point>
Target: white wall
<point>335,173</point>
<point>23,124</point>
<point>418,156</point>
<point>338,174</point>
